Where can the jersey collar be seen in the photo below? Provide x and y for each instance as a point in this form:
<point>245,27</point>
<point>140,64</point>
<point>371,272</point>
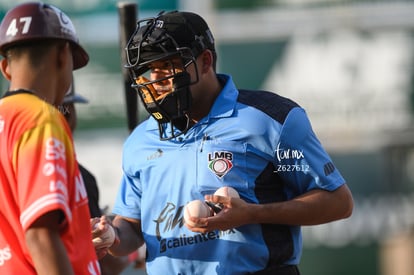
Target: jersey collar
<point>225,102</point>
<point>16,92</point>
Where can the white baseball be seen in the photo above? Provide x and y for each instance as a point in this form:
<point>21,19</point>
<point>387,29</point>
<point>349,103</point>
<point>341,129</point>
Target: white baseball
<point>106,239</point>
<point>227,191</point>
<point>196,209</point>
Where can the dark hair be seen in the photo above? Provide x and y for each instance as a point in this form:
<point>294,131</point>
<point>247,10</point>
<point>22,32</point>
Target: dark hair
<point>35,50</point>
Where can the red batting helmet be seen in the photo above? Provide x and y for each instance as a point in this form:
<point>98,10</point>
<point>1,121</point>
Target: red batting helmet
<point>36,21</point>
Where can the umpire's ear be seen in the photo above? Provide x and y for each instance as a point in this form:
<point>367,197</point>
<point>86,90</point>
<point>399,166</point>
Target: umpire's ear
<point>207,60</point>
<point>5,70</point>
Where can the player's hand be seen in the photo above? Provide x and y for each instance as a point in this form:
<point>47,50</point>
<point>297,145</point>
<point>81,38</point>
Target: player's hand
<point>98,227</point>
<point>235,213</point>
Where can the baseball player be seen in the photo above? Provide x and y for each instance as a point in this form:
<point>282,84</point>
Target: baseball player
<point>109,265</point>
<point>44,216</point>
<point>205,133</point>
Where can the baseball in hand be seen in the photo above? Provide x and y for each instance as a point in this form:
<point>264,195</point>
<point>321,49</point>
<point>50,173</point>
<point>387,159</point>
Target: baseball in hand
<point>106,239</point>
<point>227,191</point>
<point>196,209</point>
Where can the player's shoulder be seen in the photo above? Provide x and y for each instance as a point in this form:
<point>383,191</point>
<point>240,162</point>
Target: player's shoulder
<point>142,132</point>
<point>28,104</point>
<point>273,104</point>
<point>27,111</point>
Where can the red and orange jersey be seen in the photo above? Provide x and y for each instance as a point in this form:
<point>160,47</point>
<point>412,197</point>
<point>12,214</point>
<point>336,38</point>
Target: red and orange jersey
<point>38,174</point>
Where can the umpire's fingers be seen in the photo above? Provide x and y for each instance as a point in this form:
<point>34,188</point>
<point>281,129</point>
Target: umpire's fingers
<point>218,199</point>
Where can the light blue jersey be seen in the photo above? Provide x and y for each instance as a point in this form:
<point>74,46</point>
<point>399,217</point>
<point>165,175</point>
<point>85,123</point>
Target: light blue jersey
<point>257,142</point>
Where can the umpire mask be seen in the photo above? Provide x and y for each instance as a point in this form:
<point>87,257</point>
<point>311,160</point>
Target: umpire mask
<point>158,54</point>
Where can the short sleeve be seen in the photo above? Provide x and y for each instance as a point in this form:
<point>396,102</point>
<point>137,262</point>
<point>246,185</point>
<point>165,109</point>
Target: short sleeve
<point>300,158</point>
<point>128,199</point>
<point>42,160</point>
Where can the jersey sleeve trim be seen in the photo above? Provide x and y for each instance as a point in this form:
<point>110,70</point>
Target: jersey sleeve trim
<point>272,104</point>
<point>43,205</point>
